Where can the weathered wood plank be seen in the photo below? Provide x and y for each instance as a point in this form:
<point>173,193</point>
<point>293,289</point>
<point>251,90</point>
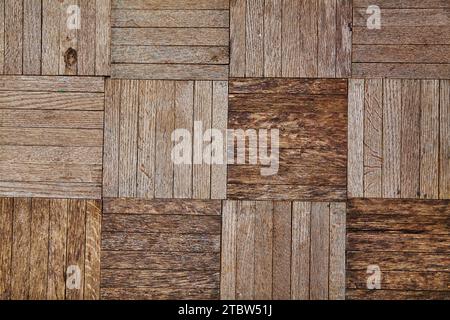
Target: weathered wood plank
<point>32,24</point>
<point>171,4</point>
<point>263,250</point>
<point>160,242</point>
<point>184,113</point>
<point>291,50</point>
<point>68,40</point>
<point>40,223</point>
<point>229,247</point>
<point>51,189</point>
<point>337,251</point>
<point>245,251</point>
<point>52,84</point>
<point>86,38</point>
<point>401,53</point>
<point>51,16</point>
<point>373,137</point>
<point>272,38</point>
<point>57,250</point>
<point>429,140</point>
<point>386,4</point>
<point>146,143</point>
<point>309,33</point>
<point>161,207</point>
<point>13,37</point>
<point>444,115</point>
<point>426,16</point>
<point>392,128</point>
<point>301,251</point>
<point>129,108</point>
<point>158,294</point>
<point>2,35</point>
<point>343,38</point>
<point>282,246</point>
<point>165,124</point>
<point>170,54</point>
<point>320,249</point>
<point>410,140</point>
<point>401,70</point>
<point>170,71</point>
<point>357,294</point>
<point>20,260</point>
<point>254,42</point>
<point>237,38</point>
<point>111,138</point>
<point>326,38</point>
<point>92,247</point>
<point>356,139</point>
<point>103,38</point>
<point>402,35</point>
<point>170,18</point>
<point>399,207</point>
<point>219,122</point>
<point>6,244</point>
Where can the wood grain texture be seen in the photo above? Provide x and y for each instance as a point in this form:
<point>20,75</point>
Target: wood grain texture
<point>44,130</point>
<point>306,122</point>
<point>394,139</point>
<point>285,242</point>
<point>406,239</point>
<point>160,247</point>
<point>411,44</point>
<point>290,38</point>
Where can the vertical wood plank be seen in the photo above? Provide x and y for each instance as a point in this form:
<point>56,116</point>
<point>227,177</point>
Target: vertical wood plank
<point>337,251</point>
<point>301,254</point>
<point>245,251</point>
<point>308,37</point>
<point>112,138</point>
<point>165,124</point>
<point>76,241</point>
<point>356,139</point>
<point>13,37</point>
<point>282,246</point>
<point>237,38</point>
<point>343,38</point>
<point>6,237</point>
<point>20,267</point>
<point>57,250</point>
<point>291,50</point>
<point>51,16</point>
<point>184,114</point>
<point>220,122</point>
<point>228,263</point>
<point>263,250</point>
<point>326,59</point>
<point>32,23</point>
<point>103,38</point>
<point>202,113</point>
<point>272,38</point>
<point>92,259</point>
<point>254,38</point>
<point>129,108</point>
<point>86,38</point>
<point>2,35</point>
<point>68,41</point>
<point>146,140</point>
<point>392,115</point>
<point>410,141</point>
<point>444,172</point>
<point>429,140</point>
<point>373,136</point>
<point>40,215</point>
<point>320,248</point>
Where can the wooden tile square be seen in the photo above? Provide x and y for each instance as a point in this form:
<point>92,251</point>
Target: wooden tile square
<point>170,40</point>
<point>141,117</point>
<point>160,249</point>
<point>399,139</point>
<point>49,249</point>
<point>42,37</point>
<point>311,116</point>
<point>400,247</point>
<point>290,38</point>
<point>412,40</point>
<point>51,136</point>
<point>283,250</point>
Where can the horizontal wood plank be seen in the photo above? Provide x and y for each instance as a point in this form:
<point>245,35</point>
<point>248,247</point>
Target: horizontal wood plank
<point>52,84</point>
<point>170,4</point>
<point>170,71</point>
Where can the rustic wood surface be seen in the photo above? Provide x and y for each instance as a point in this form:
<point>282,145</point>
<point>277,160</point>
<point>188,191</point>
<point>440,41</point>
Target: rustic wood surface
<point>157,249</point>
<point>282,250</point>
<point>41,238</point>
<point>407,239</point>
